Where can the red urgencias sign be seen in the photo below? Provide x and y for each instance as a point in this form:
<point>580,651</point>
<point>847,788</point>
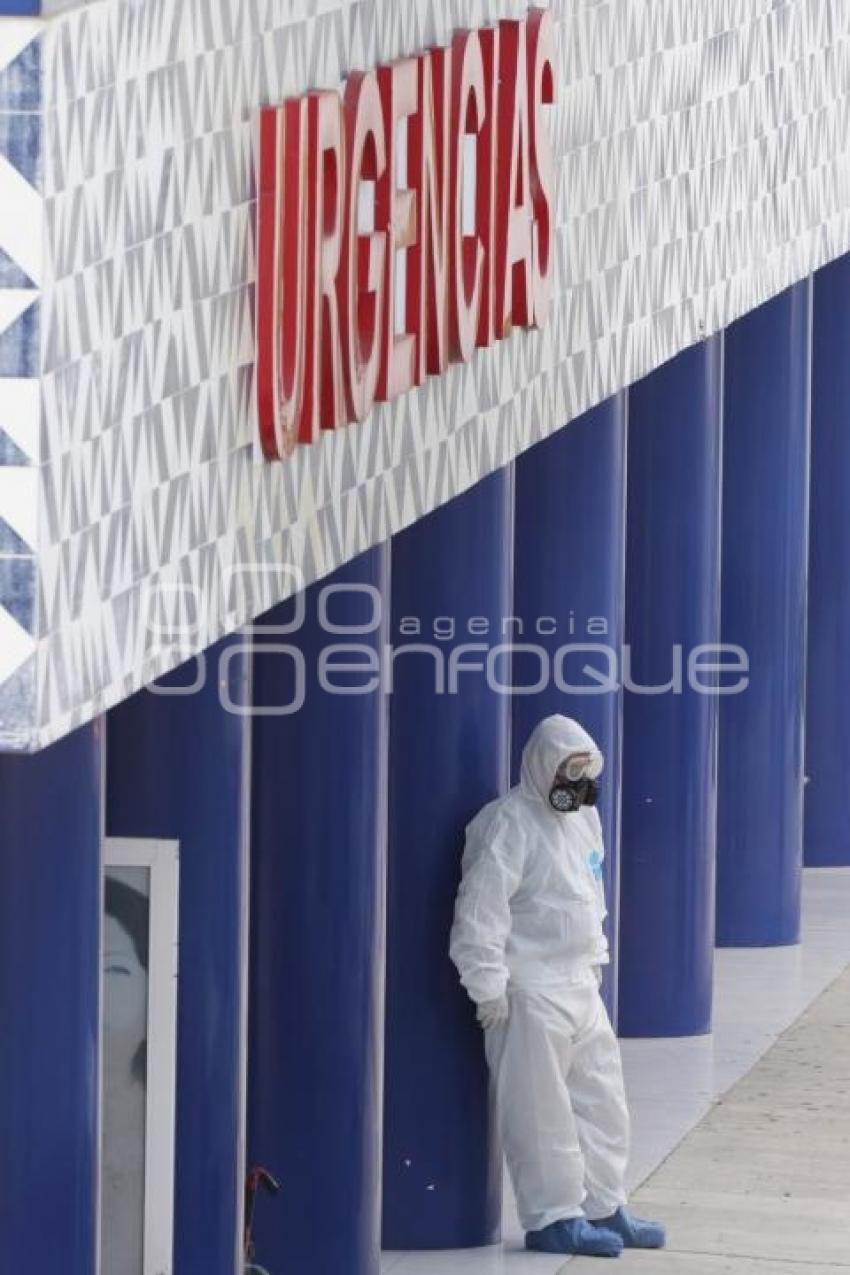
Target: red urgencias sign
<point>346,316</point>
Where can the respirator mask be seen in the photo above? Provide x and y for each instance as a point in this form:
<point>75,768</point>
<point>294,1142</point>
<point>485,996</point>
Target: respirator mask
<point>576,783</point>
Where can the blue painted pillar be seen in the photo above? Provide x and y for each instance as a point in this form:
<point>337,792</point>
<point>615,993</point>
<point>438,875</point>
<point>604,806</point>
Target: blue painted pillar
<point>765,569</point>
<point>827,828</point>
<point>569,592</point>
<point>50,910</point>
<point>318,912</point>
<point>176,770</point>
<point>449,755</point>
<point>670,738</point>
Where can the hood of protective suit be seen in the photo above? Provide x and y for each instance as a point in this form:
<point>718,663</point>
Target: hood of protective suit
<point>551,741</point>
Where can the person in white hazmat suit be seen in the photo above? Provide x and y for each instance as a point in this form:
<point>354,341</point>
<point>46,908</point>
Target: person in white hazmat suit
<point>529,944</point>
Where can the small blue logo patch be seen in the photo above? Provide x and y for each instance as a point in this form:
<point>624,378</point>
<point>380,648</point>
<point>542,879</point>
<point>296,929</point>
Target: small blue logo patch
<point>595,861</point>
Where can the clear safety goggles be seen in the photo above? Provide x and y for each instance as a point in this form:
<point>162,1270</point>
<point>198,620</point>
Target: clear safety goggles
<point>581,766</point>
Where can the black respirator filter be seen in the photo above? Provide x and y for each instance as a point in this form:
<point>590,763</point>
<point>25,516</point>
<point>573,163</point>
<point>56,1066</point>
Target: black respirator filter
<point>567,796</point>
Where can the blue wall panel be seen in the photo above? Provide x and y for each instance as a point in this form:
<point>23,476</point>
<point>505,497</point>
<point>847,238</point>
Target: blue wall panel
<point>50,909</point>
<point>827,827</point>
<point>176,770</point>
<point>570,569</point>
<point>670,739</point>
<point>765,570</point>
<point>449,755</point>
<point>317,935</point>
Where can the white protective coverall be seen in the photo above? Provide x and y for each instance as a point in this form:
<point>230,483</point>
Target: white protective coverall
<point>528,923</point>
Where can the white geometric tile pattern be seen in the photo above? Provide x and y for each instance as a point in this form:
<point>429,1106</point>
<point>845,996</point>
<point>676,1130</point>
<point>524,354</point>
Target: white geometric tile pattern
<point>21,278</point>
<point>703,165</point>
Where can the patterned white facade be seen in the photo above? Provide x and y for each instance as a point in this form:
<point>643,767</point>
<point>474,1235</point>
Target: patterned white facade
<point>703,166</point>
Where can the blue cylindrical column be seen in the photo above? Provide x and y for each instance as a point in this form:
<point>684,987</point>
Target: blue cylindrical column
<point>449,755</point>
<point>827,828</point>
<point>765,569</point>
<point>317,931</point>
<point>176,769</point>
<point>50,917</point>
<point>569,595</point>
<point>670,736</point>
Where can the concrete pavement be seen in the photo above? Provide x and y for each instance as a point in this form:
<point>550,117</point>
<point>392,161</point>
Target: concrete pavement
<point>762,1185</point>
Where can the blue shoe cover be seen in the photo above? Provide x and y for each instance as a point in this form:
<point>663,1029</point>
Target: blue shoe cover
<point>635,1232</point>
<point>575,1235</point>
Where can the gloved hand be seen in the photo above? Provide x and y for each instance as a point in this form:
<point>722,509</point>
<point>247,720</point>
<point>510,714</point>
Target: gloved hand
<point>493,1013</point>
